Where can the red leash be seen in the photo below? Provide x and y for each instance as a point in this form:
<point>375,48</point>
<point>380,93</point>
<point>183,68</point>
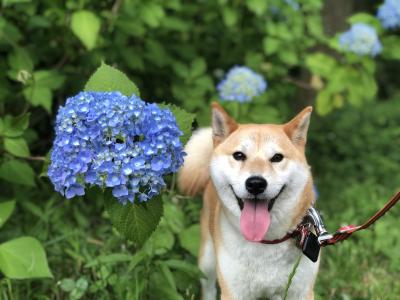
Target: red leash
<point>310,243</point>
<point>344,232</point>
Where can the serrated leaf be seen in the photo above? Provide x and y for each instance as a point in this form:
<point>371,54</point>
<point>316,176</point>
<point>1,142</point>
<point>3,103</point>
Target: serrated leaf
<point>24,258</point>
<point>190,239</point>
<point>16,171</point>
<point>107,79</point>
<point>135,221</point>
<point>183,119</point>
<point>16,146</point>
<point>6,209</point>
<point>86,26</point>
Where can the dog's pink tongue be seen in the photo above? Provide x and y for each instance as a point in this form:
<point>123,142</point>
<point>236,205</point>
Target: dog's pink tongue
<point>255,220</point>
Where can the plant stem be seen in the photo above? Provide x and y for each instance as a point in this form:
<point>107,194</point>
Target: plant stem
<point>291,275</point>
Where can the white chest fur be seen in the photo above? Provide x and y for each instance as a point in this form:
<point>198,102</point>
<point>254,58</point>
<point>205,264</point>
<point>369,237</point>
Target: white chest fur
<point>253,270</point>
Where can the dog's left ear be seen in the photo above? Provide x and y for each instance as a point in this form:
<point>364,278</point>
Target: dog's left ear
<point>297,128</point>
<point>222,124</point>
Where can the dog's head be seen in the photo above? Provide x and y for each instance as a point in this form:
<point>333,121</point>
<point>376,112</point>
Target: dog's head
<point>260,173</point>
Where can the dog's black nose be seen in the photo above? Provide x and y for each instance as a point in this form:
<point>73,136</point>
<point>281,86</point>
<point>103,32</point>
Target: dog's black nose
<point>256,185</point>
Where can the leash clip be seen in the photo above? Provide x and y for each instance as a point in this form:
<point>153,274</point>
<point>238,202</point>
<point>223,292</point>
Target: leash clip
<point>315,218</point>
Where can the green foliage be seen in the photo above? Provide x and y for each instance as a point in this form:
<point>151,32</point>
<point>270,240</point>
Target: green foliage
<point>19,172</point>
<point>135,221</point>
<point>6,209</point>
<point>107,78</point>
<point>86,26</point>
<point>23,258</point>
<point>176,51</point>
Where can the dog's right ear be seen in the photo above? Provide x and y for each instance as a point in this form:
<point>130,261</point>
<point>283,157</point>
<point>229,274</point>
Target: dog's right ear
<point>222,124</point>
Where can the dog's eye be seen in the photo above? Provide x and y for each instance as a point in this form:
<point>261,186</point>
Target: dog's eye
<point>276,158</point>
<point>239,155</point>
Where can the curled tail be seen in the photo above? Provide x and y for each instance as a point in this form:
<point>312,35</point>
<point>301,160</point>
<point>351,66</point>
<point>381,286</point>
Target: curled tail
<point>194,174</point>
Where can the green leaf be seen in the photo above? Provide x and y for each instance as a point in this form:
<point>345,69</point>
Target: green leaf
<point>67,284</point>
<point>39,96</point>
<point>20,59</point>
<point>86,26</point>
<point>230,16</point>
<point>109,259</point>
<point>6,209</point>
<point>151,13</point>
<point>11,2</point>
<point>48,79</point>
<point>185,267</point>
<point>107,79</point>
<point>320,64</point>
<point>271,45</point>
<point>257,6</point>
<point>16,146</point>
<point>24,258</point>
<point>391,47</point>
<point>16,171</point>
<point>367,19</point>
<point>324,104</point>
<point>190,239</point>
<point>15,126</point>
<point>198,67</point>
<point>183,119</point>
<point>135,221</point>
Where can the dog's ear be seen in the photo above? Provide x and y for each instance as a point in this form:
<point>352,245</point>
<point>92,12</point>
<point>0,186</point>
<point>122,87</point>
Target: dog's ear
<point>222,124</point>
<point>297,128</point>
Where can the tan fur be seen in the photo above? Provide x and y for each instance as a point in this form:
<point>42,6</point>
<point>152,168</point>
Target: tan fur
<point>193,176</point>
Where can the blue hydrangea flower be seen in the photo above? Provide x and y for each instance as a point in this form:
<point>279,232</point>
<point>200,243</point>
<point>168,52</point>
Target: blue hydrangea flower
<point>361,39</point>
<point>110,140</point>
<point>241,84</point>
<point>389,14</point>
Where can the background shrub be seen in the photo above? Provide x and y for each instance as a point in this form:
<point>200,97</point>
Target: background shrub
<point>176,51</point>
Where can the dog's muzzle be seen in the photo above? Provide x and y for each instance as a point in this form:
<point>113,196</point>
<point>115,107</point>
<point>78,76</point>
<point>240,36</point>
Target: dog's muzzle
<point>270,202</point>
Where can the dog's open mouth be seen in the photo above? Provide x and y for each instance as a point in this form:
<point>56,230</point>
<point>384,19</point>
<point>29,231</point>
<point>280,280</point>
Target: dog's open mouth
<point>255,216</point>
<point>269,202</point>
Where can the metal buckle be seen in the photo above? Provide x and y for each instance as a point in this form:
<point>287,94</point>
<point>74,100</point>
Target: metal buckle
<point>315,218</point>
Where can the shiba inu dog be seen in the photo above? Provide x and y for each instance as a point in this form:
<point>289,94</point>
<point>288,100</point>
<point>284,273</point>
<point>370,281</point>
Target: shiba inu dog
<point>256,185</point>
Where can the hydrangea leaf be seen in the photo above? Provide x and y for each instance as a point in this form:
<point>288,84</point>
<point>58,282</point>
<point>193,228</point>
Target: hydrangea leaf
<point>39,96</point>
<point>108,79</point>
<point>135,221</point>
<point>16,146</point>
<point>6,209</point>
<point>24,258</point>
<point>183,119</point>
<point>190,239</point>
<point>86,26</point>
<point>15,126</point>
<point>16,171</point>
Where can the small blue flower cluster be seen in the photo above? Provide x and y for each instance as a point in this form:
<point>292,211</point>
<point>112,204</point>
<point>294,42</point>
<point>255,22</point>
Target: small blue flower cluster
<point>361,39</point>
<point>389,14</point>
<point>110,140</point>
<point>241,84</point>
